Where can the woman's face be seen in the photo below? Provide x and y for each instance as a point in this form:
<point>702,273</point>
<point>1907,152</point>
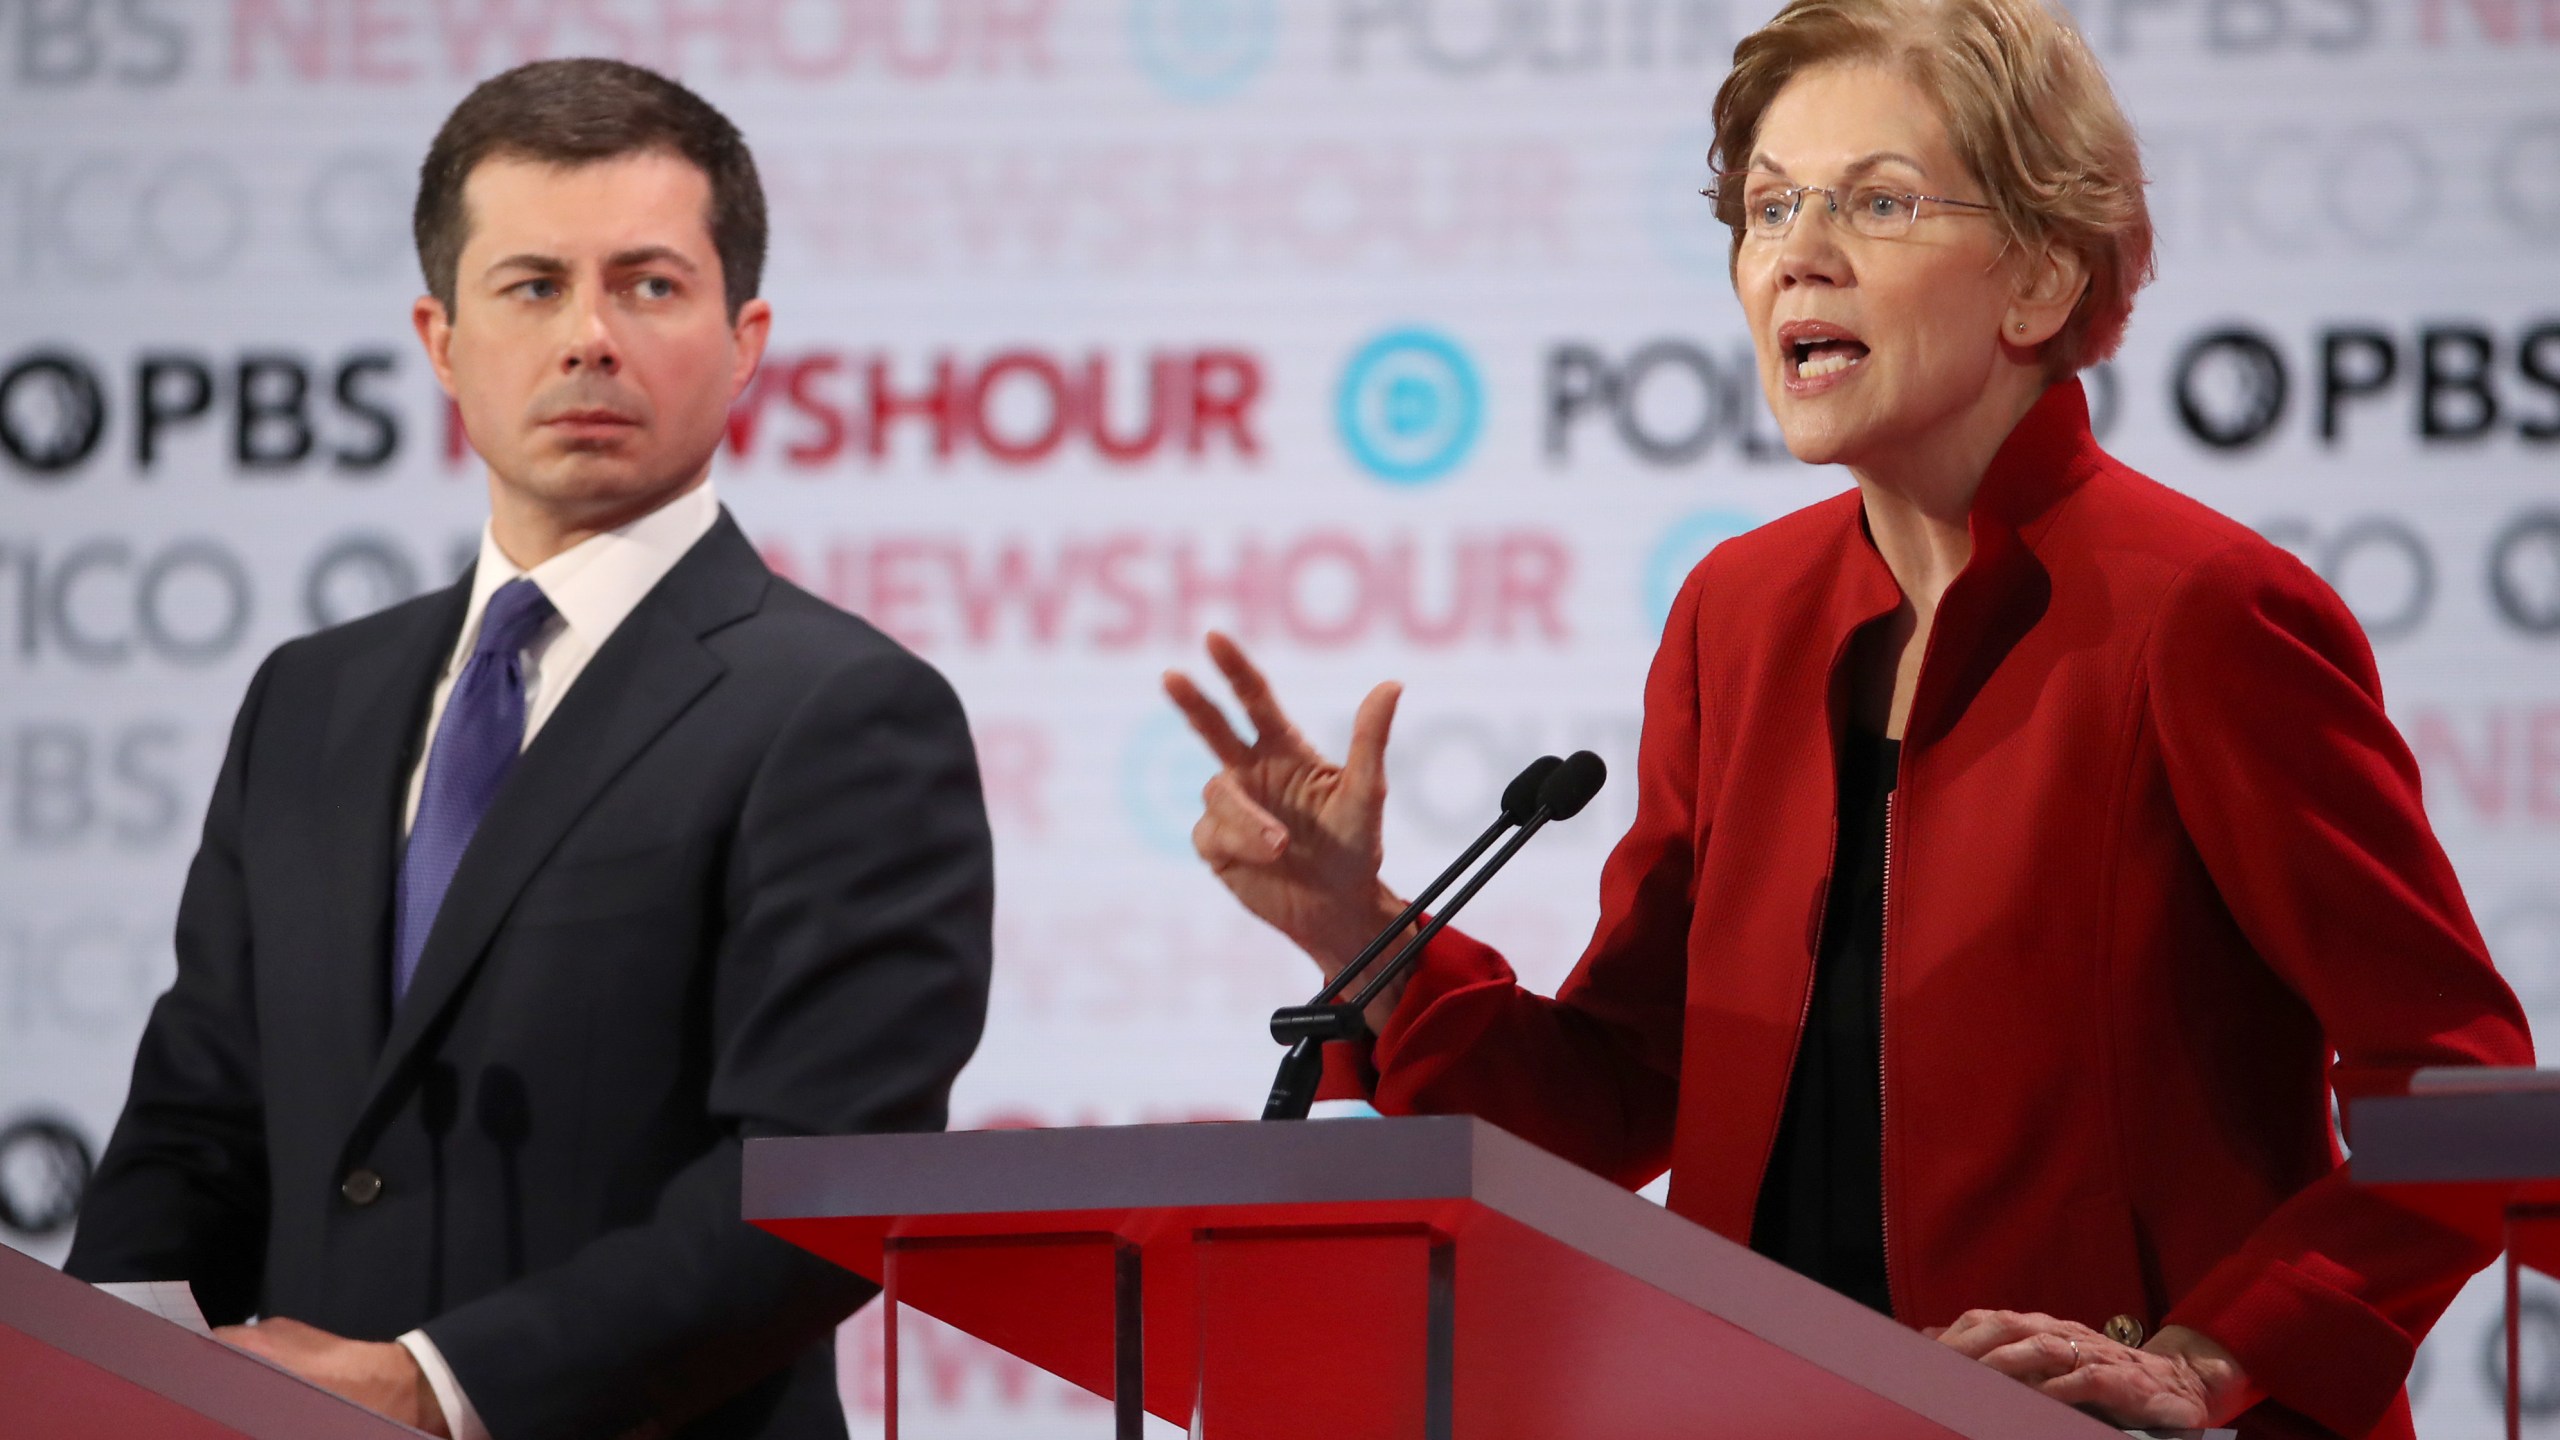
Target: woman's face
<point>1869,347</point>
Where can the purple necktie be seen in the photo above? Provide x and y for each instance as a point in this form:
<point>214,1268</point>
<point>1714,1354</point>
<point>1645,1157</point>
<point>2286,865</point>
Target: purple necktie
<point>475,747</point>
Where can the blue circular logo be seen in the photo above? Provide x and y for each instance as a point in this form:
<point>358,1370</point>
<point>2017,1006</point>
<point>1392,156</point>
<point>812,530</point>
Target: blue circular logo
<point>1679,551</point>
<point>1410,406</point>
<point>1202,49</point>
<point>1161,775</point>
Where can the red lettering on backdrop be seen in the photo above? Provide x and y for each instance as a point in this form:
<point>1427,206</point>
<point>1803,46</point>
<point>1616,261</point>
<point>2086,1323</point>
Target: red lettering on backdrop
<point>2542,764</point>
<point>1019,408</point>
<point>299,32</point>
<point>1164,396</point>
<point>1016,582</point>
<point>372,27</point>
<point>1324,589</point>
<point>1058,409</point>
<point>2501,22</point>
<point>828,442</point>
<point>395,42</point>
<point>464,25</point>
<point>1224,385</point>
<point>1014,759</point>
<point>2505,767</point>
<point>933,404</point>
<point>2477,774</point>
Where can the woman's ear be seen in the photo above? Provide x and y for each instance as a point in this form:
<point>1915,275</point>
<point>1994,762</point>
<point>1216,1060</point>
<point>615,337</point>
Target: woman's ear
<point>2050,283</point>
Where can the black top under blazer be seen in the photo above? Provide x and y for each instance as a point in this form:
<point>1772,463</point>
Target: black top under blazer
<point>740,884</point>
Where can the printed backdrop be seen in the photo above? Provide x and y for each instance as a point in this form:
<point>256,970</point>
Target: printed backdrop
<point>1390,335</point>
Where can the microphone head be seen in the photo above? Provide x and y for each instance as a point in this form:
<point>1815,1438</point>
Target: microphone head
<point>1572,784</point>
<point>1521,795</point>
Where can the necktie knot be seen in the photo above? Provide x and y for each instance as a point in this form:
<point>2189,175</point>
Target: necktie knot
<point>516,612</point>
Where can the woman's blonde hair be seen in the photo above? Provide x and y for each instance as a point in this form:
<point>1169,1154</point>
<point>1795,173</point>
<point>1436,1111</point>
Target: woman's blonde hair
<point>2029,111</point>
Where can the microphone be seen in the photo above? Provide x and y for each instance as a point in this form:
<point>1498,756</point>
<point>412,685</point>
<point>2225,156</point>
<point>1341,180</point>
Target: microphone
<point>1519,798</point>
<point>1562,790</point>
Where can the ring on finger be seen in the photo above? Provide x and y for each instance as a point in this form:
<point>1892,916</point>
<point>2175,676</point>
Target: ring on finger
<point>2075,1353</point>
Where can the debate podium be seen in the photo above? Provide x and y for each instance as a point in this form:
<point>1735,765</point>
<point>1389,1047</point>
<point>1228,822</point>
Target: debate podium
<point>1420,1279</point>
<point>77,1363</point>
<point>2478,1149</point>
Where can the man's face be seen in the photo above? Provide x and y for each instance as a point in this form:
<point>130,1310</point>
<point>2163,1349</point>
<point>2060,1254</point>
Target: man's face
<point>589,348</point>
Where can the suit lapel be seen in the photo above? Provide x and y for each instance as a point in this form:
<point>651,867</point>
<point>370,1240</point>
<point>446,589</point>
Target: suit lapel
<point>375,717</point>
<point>650,671</point>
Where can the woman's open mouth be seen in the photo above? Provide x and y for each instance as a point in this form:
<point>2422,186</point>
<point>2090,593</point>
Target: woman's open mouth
<point>1817,351</point>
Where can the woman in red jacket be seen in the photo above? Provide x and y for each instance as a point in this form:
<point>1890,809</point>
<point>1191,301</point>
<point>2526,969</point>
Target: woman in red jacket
<point>2017,841</point>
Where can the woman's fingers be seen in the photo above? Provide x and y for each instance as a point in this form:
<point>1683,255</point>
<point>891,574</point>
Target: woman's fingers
<point>1207,720</point>
<point>1976,1333</point>
<point>1270,722</point>
<point>2037,1358</point>
<point>1364,771</point>
<point>1233,829</point>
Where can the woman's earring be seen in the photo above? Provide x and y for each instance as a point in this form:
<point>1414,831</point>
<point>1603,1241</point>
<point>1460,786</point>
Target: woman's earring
<point>2021,327</point>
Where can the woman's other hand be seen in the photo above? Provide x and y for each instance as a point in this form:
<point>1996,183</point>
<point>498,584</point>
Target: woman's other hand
<point>1294,836</point>
<point>2181,1380</point>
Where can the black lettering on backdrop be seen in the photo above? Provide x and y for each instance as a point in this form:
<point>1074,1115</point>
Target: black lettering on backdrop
<point>100,605</point>
<point>156,404</point>
<point>272,428</point>
<point>2341,380</point>
<point>71,785</point>
<point>51,412</point>
<point>179,589</point>
<point>45,1165</point>
<point>2541,370</point>
<point>2379,566</point>
<point>2524,572</point>
<point>1668,402</point>
<point>354,577</point>
<point>62,43</point>
<point>2230,388</point>
<point>378,419</point>
<point>52,803</point>
<point>2455,401</point>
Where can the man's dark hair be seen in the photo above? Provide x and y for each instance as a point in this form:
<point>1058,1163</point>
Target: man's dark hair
<point>577,112</point>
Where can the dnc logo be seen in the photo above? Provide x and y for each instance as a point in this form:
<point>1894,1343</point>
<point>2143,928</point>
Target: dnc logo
<point>1202,49</point>
<point>1410,406</point>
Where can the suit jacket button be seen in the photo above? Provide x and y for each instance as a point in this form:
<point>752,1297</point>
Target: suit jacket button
<point>361,1187</point>
<point>2125,1331</point>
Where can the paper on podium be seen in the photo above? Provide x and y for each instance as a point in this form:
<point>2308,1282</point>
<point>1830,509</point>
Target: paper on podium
<point>171,1300</point>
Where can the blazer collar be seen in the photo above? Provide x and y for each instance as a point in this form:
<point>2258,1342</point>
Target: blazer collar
<point>2004,588</point>
<point>648,673</point>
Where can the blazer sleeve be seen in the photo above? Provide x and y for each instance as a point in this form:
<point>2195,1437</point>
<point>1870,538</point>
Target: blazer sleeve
<point>2304,805</point>
<point>181,1193</point>
<point>850,988</point>
<point>1592,1074</point>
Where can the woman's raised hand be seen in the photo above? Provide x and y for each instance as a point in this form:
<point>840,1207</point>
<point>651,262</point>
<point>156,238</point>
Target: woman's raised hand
<point>1293,835</point>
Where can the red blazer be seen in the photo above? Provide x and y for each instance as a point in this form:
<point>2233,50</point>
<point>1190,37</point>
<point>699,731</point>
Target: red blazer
<point>2155,855</point>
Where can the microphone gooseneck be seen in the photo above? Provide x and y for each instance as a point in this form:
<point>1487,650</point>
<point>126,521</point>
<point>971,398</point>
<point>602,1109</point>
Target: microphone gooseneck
<point>1547,790</point>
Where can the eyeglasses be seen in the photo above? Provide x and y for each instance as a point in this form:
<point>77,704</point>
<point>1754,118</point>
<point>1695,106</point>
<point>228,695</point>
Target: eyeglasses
<point>1763,206</point>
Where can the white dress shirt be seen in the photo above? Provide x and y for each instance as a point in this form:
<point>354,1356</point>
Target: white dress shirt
<point>592,585</point>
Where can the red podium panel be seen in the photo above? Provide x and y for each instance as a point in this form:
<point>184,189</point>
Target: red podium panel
<point>77,1363</point>
<point>2478,1149</point>
<point>1332,1277</point>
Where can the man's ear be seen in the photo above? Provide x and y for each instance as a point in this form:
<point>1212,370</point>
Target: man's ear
<point>2050,284</point>
<point>753,327</point>
<point>435,334</point>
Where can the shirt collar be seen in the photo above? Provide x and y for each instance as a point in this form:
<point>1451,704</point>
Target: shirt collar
<point>597,582</point>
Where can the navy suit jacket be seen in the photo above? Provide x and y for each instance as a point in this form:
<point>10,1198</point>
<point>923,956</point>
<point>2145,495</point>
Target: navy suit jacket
<point>739,884</point>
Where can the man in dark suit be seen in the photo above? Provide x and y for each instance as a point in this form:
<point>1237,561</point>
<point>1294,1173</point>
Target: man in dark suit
<point>520,906</point>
